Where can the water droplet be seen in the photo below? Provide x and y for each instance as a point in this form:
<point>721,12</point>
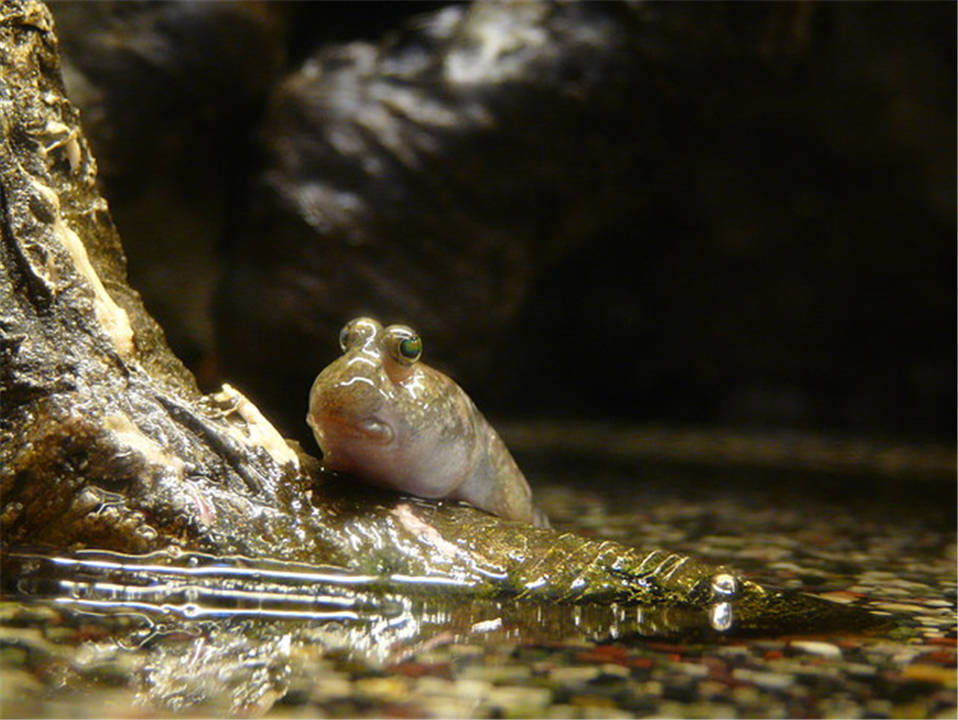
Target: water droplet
<point>145,532</point>
<point>724,585</point>
<point>190,610</point>
<point>721,616</point>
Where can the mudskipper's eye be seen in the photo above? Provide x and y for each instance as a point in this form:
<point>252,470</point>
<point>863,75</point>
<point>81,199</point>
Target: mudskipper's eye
<point>403,344</point>
<point>357,331</point>
<point>411,348</point>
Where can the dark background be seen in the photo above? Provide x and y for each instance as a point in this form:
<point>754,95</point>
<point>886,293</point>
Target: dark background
<point>740,214</point>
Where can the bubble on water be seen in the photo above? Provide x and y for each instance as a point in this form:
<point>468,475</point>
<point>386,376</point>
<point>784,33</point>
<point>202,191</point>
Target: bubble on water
<point>190,610</point>
<point>724,585</point>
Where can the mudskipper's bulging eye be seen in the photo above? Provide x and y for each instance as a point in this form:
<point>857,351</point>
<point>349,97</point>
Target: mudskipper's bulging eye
<point>357,331</point>
<point>403,344</point>
<point>411,348</point>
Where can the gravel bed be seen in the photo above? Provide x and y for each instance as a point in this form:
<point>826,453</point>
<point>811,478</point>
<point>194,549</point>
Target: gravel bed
<point>871,549</point>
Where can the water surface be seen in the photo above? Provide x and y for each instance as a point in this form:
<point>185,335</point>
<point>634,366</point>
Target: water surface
<point>230,646</point>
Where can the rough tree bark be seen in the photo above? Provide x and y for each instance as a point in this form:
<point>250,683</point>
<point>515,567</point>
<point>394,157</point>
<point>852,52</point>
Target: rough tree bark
<point>105,441</point>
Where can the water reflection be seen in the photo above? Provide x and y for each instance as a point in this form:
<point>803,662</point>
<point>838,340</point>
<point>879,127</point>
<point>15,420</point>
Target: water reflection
<point>228,634</point>
<point>234,634</point>
<point>374,613</point>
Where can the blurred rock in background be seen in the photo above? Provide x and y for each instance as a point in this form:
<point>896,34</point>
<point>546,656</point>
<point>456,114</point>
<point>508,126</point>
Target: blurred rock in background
<point>170,96</point>
<point>737,214</point>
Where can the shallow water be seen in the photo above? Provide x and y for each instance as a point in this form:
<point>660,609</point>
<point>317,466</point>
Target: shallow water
<point>885,544</point>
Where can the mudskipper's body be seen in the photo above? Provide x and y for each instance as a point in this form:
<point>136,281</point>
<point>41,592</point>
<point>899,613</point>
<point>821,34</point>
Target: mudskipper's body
<point>381,415</point>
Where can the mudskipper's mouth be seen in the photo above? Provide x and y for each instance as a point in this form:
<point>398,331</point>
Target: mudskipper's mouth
<point>370,429</point>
